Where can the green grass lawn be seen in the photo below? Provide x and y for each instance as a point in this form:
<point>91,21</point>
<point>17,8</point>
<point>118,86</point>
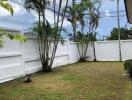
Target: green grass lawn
<point>81,81</point>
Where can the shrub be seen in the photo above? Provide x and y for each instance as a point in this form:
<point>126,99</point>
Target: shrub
<point>128,67</point>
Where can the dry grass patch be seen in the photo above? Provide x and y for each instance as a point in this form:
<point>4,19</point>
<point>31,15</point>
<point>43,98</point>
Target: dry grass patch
<point>81,81</point>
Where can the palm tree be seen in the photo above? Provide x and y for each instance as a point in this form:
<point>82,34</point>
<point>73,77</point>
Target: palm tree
<point>46,33</point>
<point>92,9</point>
<point>93,12</point>
<point>94,21</point>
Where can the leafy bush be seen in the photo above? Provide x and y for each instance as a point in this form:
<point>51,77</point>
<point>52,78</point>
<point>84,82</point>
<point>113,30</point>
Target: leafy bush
<point>128,67</point>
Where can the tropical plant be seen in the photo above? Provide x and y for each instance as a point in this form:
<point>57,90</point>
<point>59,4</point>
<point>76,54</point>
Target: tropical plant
<point>4,4</point>
<point>93,12</point>
<point>46,34</point>
<point>11,36</point>
<point>81,40</point>
<point>89,9</point>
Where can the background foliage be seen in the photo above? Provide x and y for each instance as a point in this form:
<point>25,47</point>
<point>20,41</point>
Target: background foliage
<point>124,33</point>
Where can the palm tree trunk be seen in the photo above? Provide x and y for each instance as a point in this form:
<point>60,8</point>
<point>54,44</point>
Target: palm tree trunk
<point>90,41</point>
<point>57,41</point>
<point>94,50</point>
<point>74,30</point>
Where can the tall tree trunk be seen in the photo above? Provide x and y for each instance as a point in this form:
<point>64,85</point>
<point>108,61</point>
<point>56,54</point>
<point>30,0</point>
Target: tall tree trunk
<point>57,40</point>
<point>93,42</point>
<point>87,43</point>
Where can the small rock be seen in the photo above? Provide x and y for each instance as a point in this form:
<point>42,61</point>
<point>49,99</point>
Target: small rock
<point>27,79</point>
<point>124,74</point>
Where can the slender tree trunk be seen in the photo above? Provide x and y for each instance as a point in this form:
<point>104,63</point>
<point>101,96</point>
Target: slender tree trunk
<point>74,30</point>
<point>57,41</point>
<point>94,51</point>
<point>93,42</point>
<point>78,49</point>
<point>38,38</point>
<point>90,40</point>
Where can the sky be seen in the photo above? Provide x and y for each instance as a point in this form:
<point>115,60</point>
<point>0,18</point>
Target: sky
<point>106,23</point>
<point>23,20</point>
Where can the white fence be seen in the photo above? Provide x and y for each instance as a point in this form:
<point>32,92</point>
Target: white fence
<point>109,50</point>
<point>17,59</point>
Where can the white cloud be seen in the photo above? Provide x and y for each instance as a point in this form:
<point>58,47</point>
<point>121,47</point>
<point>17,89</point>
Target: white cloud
<point>3,12</point>
<point>107,13</point>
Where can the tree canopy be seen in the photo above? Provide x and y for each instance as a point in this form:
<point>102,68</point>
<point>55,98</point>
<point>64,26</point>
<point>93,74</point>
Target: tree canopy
<point>78,12</point>
<point>124,34</point>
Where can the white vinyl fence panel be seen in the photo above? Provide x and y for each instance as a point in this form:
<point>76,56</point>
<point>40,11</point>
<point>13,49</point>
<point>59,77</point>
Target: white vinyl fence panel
<point>107,51</point>
<point>18,59</point>
<point>126,47</point>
